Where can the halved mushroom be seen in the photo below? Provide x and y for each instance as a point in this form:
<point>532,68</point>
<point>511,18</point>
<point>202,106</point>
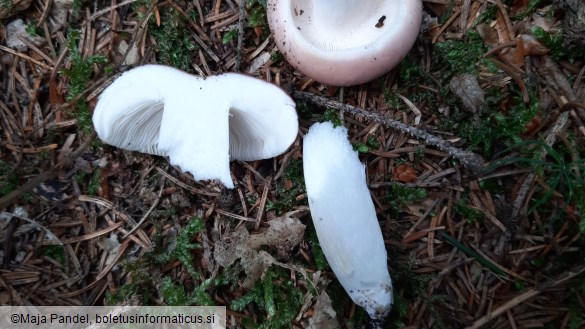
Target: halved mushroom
<point>344,42</point>
<point>198,123</point>
<point>345,218</point>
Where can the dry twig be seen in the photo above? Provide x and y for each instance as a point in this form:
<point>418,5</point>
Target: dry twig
<point>473,162</point>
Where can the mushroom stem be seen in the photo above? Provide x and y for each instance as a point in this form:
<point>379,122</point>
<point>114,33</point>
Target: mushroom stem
<point>345,218</point>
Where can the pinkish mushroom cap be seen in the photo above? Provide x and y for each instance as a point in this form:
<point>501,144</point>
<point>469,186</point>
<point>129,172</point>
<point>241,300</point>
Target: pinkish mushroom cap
<point>344,42</point>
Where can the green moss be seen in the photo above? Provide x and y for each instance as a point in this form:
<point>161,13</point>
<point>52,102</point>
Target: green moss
<point>575,318</point>
<point>274,298</point>
<point>313,241</point>
<point>495,127</point>
<point>304,110</point>
<point>33,30</point>
<point>229,36</point>
<point>461,56</point>
<point>340,301</point>
<point>77,8</point>
<point>139,285</point>
<point>257,13</point>
<point>140,7</point>
<point>79,74</point>
<point>332,116</point>
<point>94,184</point>
<point>561,173</point>
<point>412,74</point>
<point>9,178</point>
<point>410,70</point>
<point>184,247</point>
<point>559,50</point>
<point>466,212</point>
<point>532,6</point>
<point>164,213</point>
<point>391,98</point>
<point>56,252</point>
<point>286,199</point>
<point>277,57</point>
<point>399,313</point>
<point>398,195</point>
<point>175,46</point>
<point>6,4</point>
<point>371,143</point>
<point>488,15</point>
<point>177,295</point>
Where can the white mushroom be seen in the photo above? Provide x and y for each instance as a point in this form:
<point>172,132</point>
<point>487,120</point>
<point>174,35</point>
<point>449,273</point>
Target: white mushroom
<point>198,123</point>
<point>345,218</point>
<point>344,42</point>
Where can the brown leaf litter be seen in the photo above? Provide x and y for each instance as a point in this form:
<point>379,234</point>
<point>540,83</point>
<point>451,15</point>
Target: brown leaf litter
<point>103,207</point>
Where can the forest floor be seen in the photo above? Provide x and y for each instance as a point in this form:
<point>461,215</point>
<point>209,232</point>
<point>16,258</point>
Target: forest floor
<point>498,245</point>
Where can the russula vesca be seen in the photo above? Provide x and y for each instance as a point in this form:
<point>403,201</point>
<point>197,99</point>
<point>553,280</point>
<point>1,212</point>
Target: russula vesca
<point>344,42</point>
<point>345,218</point>
<point>199,123</point>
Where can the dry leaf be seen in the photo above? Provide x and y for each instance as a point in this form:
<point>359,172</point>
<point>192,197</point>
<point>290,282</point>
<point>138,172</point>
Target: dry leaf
<point>325,316</point>
<point>16,30</point>
<point>282,230</point>
<point>488,34</point>
<point>466,87</point>
<point>133,56</point>
<point>258,62</point>
<point>60,11</point>
<point>529,46</point>
<point>285,231</point>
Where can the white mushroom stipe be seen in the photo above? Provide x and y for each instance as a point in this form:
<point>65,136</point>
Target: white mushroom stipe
<point>344,42</point>
<point>345,218</point>
<point>199,123</point>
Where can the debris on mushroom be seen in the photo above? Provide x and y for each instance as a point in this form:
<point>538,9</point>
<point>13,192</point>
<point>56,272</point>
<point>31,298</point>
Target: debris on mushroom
<point>345,218</point>
<point>200,124</point>
<point>347,42</point>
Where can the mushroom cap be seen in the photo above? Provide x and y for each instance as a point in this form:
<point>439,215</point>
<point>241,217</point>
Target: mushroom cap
<point>345,218</point>
<point>198,123</point>
<point>344,42</point>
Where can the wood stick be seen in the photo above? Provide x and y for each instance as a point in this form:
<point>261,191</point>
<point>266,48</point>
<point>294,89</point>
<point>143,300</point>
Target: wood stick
<point>473,162</point>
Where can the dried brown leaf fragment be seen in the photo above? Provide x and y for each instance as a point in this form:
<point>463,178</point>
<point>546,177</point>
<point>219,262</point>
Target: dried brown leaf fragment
<point>287,231</point>
<point>466,87</point>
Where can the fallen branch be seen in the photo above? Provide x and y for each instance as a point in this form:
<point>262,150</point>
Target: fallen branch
<point>473,162</point>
